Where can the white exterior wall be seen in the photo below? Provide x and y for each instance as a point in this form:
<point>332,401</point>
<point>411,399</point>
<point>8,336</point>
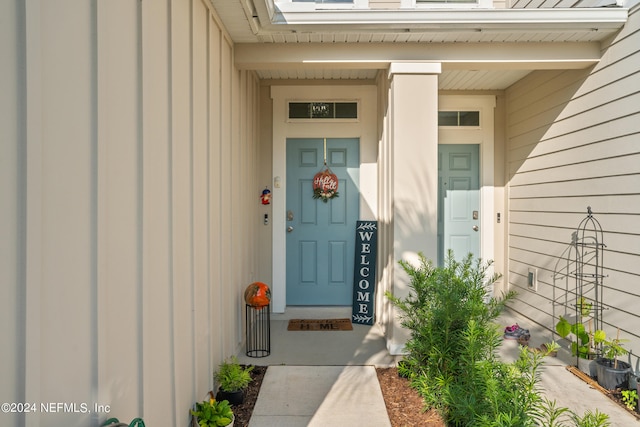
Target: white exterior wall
<point>572,142</point>
<point>128,143</point>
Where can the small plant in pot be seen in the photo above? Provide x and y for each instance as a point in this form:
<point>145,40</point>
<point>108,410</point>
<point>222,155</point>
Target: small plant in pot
<point>233,379</point>
<point>611,372</point>
<point>213,413</point>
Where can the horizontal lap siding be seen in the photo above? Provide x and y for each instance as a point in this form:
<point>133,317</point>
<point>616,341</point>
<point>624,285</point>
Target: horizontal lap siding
<point>574,141</point>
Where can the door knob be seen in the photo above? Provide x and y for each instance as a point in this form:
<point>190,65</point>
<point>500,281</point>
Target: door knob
<point>289,229</point>
<point>475,228</point>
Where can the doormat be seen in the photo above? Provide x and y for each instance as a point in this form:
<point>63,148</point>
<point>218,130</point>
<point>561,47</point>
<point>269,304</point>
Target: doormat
<point>320,325</point>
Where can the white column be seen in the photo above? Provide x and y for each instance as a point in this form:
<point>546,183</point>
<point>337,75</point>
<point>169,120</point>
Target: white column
<point>414,172</point>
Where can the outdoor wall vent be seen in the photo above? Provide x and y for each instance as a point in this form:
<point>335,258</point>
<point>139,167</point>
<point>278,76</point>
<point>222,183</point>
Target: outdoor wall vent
<point>532,279</point>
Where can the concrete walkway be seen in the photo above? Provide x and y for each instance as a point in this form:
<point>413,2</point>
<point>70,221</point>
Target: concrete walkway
<point>557,382</point>
<point>321,396</point>
<point>328,378</point>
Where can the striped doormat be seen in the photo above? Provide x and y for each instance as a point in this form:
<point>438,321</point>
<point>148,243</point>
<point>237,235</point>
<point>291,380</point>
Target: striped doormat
<point>320,325</point>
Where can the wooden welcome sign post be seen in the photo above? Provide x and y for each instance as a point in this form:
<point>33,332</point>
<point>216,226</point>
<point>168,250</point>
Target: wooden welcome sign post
<point>364,280</point>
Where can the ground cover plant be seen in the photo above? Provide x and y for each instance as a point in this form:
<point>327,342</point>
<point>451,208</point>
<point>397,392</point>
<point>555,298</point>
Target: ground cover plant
<point>452,354</point>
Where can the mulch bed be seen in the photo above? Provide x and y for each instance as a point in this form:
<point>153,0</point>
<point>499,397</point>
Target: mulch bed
<point>404,405</point>
<point>243,412</point>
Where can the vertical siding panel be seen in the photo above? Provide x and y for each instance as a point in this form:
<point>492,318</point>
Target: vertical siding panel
<point>227,297</point>
<point>158,365</point>
<point>256,220</point>
<point>119,302</point>
<point>215,189</point>
<point>572,148</point>
<point>245,182</point>
<point>33,207</point>
<point>236,221</point>
<point>201,353</point>
<point>12,257</point>
<point>68,281</point>
<point>182,205</point>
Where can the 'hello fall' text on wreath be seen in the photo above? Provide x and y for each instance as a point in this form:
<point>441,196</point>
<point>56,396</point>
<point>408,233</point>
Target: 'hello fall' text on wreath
<point>325,185</point>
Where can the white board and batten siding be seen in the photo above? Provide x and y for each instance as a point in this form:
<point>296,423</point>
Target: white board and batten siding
<point>128,138</point>
<point>573,140</point>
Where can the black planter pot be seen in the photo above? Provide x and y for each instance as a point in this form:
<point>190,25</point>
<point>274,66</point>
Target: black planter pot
<point>610,377</point>
<point>234,397</point>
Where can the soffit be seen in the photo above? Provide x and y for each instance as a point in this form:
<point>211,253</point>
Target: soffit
<point>256,22</point>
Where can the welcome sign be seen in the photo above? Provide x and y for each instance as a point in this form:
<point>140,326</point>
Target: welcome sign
<point>364,280</point>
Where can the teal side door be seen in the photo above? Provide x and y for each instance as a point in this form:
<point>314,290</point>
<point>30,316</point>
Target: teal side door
<point>320,236</point>
<point>458,200</point>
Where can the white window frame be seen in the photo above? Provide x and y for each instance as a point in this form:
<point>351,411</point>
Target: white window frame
<point>460,126</point>
<point>414,4</point>
<point>332,120</point>
<point>482,135</point>
<point>294,6</point>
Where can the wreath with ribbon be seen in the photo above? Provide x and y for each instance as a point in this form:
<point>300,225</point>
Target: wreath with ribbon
<point>325,185</point>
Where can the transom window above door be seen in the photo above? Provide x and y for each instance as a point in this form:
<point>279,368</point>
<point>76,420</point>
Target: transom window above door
<point>323,110</point>
<point>459,118</point>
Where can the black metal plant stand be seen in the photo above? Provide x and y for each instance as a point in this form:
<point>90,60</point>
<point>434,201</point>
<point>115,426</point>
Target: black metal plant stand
<point>258,331</point>
<point>589,275</point>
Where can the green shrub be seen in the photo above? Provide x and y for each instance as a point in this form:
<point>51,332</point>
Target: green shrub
<point>452,353</point>
<point>451,315</point>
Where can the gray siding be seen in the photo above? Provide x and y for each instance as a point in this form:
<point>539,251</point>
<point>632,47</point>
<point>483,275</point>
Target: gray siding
<point>573,140</point>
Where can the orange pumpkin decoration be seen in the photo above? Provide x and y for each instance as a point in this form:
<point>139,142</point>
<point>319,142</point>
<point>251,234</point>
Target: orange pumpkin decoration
<point>257,295</point>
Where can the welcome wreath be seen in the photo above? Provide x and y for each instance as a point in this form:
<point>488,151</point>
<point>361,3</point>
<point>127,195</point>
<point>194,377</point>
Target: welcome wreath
<point>325,185</point>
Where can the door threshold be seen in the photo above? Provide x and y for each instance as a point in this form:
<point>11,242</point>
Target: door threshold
<point>313,312</point>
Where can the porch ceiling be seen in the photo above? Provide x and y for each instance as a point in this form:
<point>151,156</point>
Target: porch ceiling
<point>480,49</point>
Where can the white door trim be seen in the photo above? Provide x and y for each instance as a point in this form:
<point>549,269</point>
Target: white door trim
<point>364,129</point>
<point>483,135</point>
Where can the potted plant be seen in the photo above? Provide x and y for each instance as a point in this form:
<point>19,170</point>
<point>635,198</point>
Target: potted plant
<point>232,379</point>
<point>611,372</point>
<point>213,413</point>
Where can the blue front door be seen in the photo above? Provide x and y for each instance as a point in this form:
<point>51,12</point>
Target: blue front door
<point>458,200</point>
<point>320,236</point>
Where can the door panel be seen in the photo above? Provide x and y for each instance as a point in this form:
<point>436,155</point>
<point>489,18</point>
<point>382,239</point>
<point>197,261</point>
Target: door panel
<point>459,201</point>
<point>320,243</point>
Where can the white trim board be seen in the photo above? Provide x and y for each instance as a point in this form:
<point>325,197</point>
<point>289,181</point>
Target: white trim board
<point>484,136</point>
<point>364,129</point>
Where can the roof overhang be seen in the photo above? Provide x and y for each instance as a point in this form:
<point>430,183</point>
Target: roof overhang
<point>253,56</point>
<point>304,17</point>
<point>479,49</point>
